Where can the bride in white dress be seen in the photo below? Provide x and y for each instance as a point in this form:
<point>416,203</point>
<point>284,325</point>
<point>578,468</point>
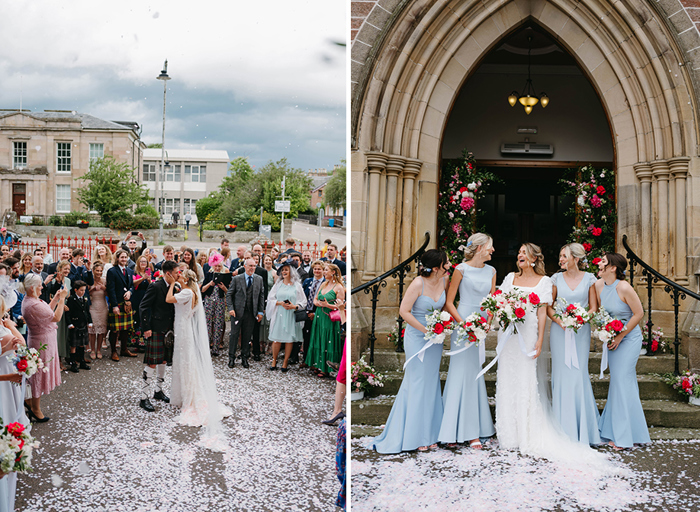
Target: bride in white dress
<point>523,413</point>
<point>194,386</point>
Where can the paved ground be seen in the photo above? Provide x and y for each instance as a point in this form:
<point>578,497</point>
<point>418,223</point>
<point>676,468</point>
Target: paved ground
<point>660,477</point>
<point>101,452</point>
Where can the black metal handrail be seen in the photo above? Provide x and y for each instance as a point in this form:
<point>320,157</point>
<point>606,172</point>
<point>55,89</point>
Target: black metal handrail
<point>676,291</point>
<point>373,287</point>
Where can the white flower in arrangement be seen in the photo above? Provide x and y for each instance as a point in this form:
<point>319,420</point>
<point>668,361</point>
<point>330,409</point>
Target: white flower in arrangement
<point>581,201</point>
<point>444,316</point>
<point>450,215</point>
<point>603,217</point>
<point>472,186</point>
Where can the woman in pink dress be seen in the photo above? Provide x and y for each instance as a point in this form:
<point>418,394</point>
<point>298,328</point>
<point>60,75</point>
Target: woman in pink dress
<point>98,310</point>
<point>41,319</point>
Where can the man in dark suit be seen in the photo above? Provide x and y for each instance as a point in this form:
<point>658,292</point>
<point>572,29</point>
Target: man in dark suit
<point>63,255</point>
<point>240,258</point>
<point>332,257</point>
<point>80,269</point>
<point>157,318</point>
<point>120,286</point>
<point>129,245</point>
<point>246,304</point>
<point>296,259</point>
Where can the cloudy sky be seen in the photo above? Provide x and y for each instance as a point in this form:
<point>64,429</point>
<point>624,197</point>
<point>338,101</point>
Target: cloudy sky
<point>259,79</point>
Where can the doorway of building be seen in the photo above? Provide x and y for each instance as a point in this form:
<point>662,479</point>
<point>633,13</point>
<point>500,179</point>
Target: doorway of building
<point>19,198</point>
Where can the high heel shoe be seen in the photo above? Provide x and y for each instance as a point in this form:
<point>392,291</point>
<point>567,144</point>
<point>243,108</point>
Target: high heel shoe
<point>335,418</point>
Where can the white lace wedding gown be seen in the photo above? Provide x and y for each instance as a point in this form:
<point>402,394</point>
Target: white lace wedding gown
<point>194,386</point>
<point>523,413</point>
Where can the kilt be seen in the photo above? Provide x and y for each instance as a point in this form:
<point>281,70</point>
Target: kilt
<point>77,337</point>
<point>156,351</point>
<point>122,321</point>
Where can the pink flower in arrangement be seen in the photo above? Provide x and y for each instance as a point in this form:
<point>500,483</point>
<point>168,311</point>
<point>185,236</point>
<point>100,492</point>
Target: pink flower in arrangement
<point>467,203</point>
<point>597,231</point>
<point>596,202</point>
<point>456,228</point>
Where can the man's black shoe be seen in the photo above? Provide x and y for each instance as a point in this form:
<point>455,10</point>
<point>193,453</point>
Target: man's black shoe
<point>244,363</point>
<point>159,395</point>
<point>257,358</point>
<point>231,362</point>
<point>146,405</point>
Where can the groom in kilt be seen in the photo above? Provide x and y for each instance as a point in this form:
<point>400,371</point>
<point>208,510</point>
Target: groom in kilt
<point>157,321</point>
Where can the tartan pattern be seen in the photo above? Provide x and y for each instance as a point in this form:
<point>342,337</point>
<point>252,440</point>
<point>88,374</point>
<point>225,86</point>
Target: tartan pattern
<point>78,337</point>
<point>156,351</point>
<point>122,321</point>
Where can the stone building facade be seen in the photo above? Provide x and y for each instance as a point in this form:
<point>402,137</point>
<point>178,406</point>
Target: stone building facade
<point>42,155</point>
<point>415,61</point>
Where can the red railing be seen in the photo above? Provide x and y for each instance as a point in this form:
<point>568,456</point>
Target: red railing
<point>300,248</point>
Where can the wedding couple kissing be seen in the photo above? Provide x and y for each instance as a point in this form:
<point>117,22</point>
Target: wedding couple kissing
<point>174,325</point>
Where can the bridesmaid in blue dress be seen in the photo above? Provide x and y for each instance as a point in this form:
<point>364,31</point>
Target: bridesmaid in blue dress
<point>622,423</point>
<point>414,421</point>
<point>573,403</point>
<point>467,416</point>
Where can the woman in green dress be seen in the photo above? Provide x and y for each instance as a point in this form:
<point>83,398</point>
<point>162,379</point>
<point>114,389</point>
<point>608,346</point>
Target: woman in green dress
<point>325,344</point>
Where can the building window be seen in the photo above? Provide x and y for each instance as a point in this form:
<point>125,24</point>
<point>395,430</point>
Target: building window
<point>19,155</point>
<point>170,204</point>
<point>189,206</point>
<point>97,150</point>
<point>63,155</point>
<point>196,173</point>
<point>149,172</point>
<point>172,173</point>
<point>62,198</point>
<point>320,192</point>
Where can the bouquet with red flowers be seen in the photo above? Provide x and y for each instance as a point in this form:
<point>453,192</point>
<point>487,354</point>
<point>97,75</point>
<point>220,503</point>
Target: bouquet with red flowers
<point>16,446</point>
<point>687,384</point>
<point>27,361</point>
<point>510,308</point>
<point>573,316</point>
<point>440,324</point>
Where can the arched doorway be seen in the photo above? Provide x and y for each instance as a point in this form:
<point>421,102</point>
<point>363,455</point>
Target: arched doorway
<point>573,130</point>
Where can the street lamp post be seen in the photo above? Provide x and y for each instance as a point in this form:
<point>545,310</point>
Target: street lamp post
<point>164,77</point>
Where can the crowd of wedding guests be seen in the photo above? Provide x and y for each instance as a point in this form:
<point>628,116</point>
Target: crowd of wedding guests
<point>282,305</point>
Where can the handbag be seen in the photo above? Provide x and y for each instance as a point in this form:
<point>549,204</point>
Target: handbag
<point>334,315</point>
<point>300,315</point>
<point>127,307</point>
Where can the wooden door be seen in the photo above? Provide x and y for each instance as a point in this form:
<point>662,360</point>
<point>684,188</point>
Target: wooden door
<point>19,198</point>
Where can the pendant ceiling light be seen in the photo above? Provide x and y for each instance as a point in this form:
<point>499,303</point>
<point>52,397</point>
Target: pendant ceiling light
<point>528,98</point>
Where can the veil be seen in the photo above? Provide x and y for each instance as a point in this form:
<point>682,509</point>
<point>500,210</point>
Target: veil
<point>213,436</point>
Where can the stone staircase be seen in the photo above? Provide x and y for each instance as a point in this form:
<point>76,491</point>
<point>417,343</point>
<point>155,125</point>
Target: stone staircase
<point>663,406</point>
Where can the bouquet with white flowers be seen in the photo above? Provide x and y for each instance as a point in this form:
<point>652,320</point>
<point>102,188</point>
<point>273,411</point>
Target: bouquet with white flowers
<point>509,308</point>
<point>572,316</point>
<point>607,327</point>
<point>439,324</point>
<point>27,361</point>
<point>16,446</point>
<point>473,330</point>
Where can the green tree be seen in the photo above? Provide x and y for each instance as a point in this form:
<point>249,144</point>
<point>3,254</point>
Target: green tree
<point>206,208</point>
<point>335,193</point>
<point>155,145</point>
<point>297,187</point>
<point>111,187</point>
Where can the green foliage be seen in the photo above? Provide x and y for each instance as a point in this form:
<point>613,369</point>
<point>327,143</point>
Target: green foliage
<point>110,188</point>
<point>124,221</point>
<point>207,206</point>
<point>240,170</point>
<point>335,193</point>
<point>243,214</point>
<point>253,223</point>
<point>71,219</point>
<point>297,189</point>
<point>147,210</point>
<point>55,220</point>
<point>37,221</point>
<point>155,145</point>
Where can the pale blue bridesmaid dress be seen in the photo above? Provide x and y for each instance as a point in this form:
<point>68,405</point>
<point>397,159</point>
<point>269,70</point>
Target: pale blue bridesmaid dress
<point>415,418</point>
<point>573,403</point>
<point>623,421</point>
<point>467,414</point>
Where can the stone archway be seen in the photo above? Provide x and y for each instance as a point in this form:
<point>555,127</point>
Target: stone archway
<point>428,48</point>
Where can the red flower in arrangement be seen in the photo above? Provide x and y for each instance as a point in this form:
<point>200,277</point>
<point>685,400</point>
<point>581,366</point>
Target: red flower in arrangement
<point>472,337</point>
<point>597,231</point>
<point>570,308</point>
<point>600,190</point>
<point>654,345</point>
<point>534,299</point>
<point>587,246</point>
<point>497,292</point>
<point>579,319</point>
<point>686,385</point>
<point>519,312</point>
<point>463,189</point>
<point>596,202</point>
<point>438,328</point>
<point>617,326</point>
<point>596,261</point>
<point>22,365</point>
<point>15,429</point>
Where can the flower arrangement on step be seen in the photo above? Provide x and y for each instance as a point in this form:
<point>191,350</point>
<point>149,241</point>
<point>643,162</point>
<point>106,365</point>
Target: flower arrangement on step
<point>230,228</point>
<point>572,316</point>
<point>594,210</point>
<point>658,344</point>
<point>606,326</point>
<point>394,336</point>
<point>687,384</point>
<point>16,447</point>
<point>363,376</point>
<point>82,223</point>
<point>461,187</point>
<point>509,308</point>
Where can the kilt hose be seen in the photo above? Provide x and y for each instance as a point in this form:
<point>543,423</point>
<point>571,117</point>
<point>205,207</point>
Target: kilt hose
<point>156,351</point>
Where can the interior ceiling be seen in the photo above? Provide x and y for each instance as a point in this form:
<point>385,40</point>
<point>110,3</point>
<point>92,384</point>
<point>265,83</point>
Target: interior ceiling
<point>545,51</point>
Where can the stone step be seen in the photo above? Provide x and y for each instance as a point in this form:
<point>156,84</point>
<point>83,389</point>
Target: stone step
<point>388,360</point>
<point>659,413</point>
<point>651,387</point>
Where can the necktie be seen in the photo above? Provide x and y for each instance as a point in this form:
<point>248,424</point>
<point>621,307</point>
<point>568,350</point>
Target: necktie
<point>124,270</point>
<point>250,280</point>
<point>312,293</point>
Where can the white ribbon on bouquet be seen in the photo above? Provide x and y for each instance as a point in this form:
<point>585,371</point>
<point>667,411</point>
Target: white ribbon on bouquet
<point>437,339</point>
<point>503,337</point>
<point>570,353</point>
<point>482,351</point>
<point>20,407</point>
<point>604,360</point>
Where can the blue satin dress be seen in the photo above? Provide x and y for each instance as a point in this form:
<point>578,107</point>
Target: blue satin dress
<point>623,421</point>
<point>573,403</point>
<point>415,418</point>
<point>467,414</point>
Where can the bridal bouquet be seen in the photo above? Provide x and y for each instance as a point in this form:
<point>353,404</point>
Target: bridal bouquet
<point>27,361</point>
<point>16,446</point>
<point>607,326</point>
<point>473,330</point>
<point>440,324</point>
<point>573,316</point>
<point>509,308</point>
